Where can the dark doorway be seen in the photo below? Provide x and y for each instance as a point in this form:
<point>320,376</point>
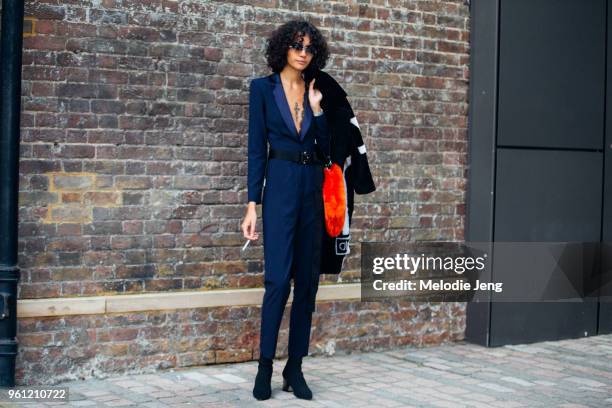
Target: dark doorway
<point>539,151</point>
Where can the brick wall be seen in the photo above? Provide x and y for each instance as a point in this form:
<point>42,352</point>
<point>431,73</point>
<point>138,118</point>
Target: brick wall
<point>133,166</point>
<point>53,350</point>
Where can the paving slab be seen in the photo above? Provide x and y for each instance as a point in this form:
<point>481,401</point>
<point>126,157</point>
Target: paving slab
<point>566,373</point>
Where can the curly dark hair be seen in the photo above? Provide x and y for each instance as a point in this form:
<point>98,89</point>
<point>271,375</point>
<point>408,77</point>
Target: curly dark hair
<point>285,35</point>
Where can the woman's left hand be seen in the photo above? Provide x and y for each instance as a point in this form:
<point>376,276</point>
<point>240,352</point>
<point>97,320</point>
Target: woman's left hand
<point>314,97</point>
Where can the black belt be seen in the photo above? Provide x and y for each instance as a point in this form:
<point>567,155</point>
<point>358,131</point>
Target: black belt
<point>304,157</point>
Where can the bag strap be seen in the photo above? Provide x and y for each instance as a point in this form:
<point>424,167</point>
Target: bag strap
<point>322,156</point>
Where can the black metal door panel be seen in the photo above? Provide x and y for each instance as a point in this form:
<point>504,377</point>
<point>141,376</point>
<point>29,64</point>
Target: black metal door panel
<point>540,151</point>
<point>551,73</point>
<point>543,196</point>
<point>605,307</point>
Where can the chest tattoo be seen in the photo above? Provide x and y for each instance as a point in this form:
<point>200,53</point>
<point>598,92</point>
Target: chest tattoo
<point>299,113</point>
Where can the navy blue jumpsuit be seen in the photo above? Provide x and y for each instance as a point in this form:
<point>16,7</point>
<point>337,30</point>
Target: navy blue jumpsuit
<point>292,210</point>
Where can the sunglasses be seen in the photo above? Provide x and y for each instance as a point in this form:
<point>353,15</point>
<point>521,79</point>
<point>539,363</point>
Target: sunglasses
<point>310,49</point>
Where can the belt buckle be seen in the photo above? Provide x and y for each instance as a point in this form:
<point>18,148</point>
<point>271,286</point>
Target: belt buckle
<point>305,157</point>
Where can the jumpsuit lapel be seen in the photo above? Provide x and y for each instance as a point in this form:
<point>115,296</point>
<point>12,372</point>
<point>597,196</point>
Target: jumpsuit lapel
<point>283,106</point>
<point>307,116</point>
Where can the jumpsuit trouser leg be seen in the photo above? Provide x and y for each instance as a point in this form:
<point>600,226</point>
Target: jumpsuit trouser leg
<point>289,228</point>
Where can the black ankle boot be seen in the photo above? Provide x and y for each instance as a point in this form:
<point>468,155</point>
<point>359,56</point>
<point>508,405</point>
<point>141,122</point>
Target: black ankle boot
<point>294,378</point>
<point>262,389</point>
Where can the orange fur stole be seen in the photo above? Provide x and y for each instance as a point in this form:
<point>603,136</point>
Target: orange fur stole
<point>334,199</point>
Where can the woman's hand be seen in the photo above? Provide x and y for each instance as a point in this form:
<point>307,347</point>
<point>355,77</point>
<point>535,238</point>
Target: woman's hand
<point>248,224</point>
<point>314,97</point>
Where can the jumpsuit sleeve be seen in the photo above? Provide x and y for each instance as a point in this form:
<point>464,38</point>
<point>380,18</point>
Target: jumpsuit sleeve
<point>322,133</point>
<point>257,145</point>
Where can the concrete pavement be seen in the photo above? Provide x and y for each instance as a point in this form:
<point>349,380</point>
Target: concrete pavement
<point>568,373</point>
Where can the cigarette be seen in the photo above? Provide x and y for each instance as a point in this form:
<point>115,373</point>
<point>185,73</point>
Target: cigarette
<point>246,245</point>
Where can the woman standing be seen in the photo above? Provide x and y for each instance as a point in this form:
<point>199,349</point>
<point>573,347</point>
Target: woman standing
<point>285,112</point>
